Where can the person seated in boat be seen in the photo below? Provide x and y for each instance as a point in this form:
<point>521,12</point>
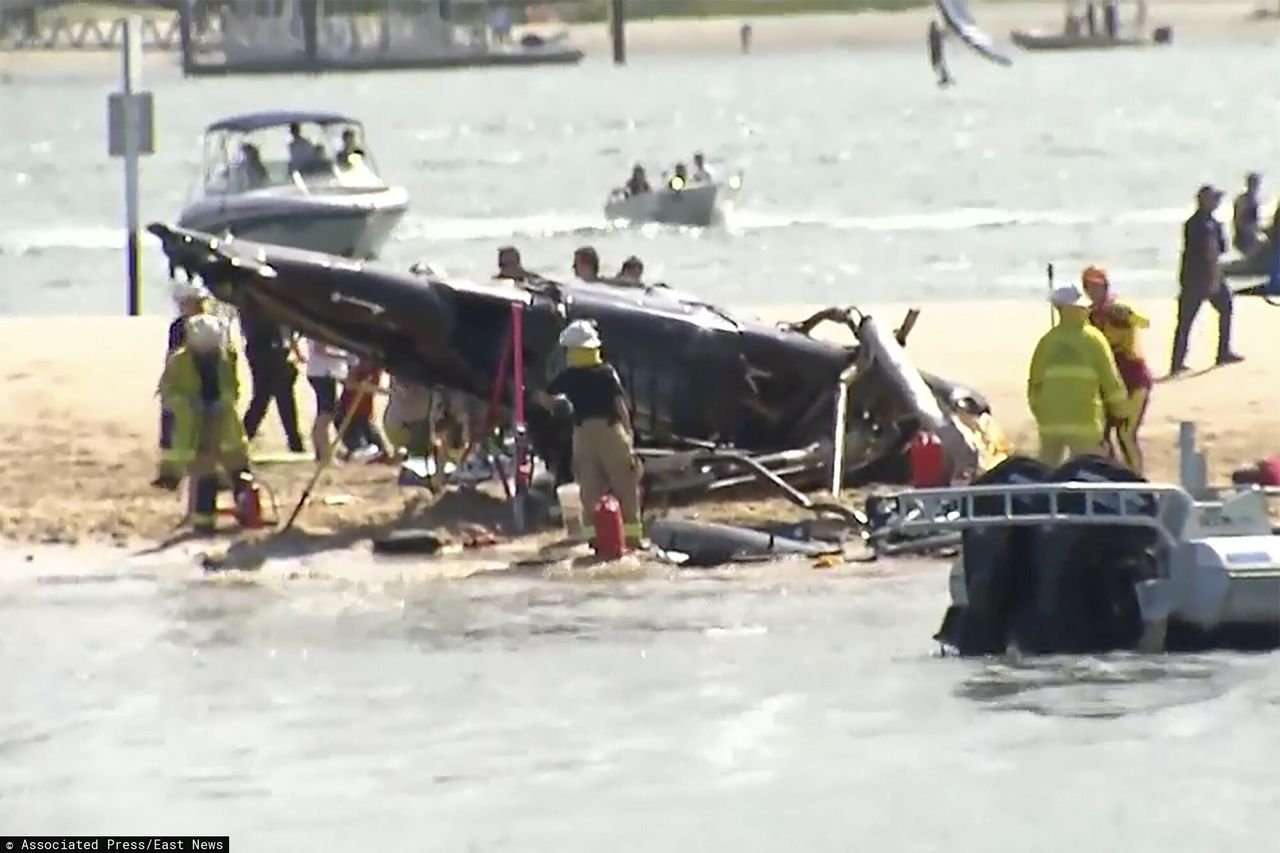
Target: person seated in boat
<point>510,265</point>
<point>680,179</point>
<point>638,183</point>
<point>586,263</point>
<point>350,153</point>
<point>304,155</point>
<point>701,174</point>
<point>252,170</point>
<point>631,271</point>
<point>1244,216</point>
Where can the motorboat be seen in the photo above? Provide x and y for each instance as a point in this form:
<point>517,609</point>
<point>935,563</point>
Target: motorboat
<point>695,204</point>
<point>1040,40</point>
<point>1090,558</point>
<point>303,197</point>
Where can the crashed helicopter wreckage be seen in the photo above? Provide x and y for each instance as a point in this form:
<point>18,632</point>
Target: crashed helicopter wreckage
<point>715,401</point>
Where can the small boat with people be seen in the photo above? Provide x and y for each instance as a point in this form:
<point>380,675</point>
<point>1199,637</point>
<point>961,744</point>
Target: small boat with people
<point>300,195</point>
<point>1082,29</point>
<point>694,198</point>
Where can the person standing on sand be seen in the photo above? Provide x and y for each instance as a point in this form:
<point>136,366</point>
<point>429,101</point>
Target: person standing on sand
<point>200,387</point>
<point>326,367</point>
<point>1073,386</point>
<point>192,299</point>
<point>1119,324</point>
<point>274,375</point>
<point>603,457</point>
<point>1200,279</point>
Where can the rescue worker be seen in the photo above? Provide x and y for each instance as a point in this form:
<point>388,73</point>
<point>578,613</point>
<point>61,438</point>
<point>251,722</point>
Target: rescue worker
<point>1119,324</point>
<point>200,387</point>
<point>273,372</point>
<point>1073,386</point>
<point>603,458</point>
<point>192,299</point>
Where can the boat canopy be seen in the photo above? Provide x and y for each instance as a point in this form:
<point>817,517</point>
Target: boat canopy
<point>253,151</point>
<point>249,122</point>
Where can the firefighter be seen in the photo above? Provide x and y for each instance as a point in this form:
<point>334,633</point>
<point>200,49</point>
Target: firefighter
<point>191,299</point>
<point>1073,387</point>
<point>200,387</point>
<point>1119,324</point>
<point>603,456</point>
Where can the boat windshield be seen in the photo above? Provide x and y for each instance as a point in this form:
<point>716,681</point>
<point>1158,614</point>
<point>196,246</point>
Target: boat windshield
<point>311,156</point>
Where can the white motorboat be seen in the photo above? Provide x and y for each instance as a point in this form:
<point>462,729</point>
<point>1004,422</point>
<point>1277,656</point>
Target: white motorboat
<point>303,197</point>
<point>1092,559</point>
<point>695,204</point>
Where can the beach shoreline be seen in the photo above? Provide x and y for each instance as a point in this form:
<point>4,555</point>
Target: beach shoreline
<point>1191,21</point>
<point>79,393</point>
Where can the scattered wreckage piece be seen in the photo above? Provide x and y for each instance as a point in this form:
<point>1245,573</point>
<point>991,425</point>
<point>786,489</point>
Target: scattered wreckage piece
<point>1090,558</point>
<point>758,400</point>
<point>705,544</point>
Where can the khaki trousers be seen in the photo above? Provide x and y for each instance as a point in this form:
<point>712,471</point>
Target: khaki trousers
<point>603,463</point>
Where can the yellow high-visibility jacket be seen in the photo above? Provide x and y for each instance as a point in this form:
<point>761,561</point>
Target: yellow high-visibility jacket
<point>180,393</point>
<point>1073,381</point>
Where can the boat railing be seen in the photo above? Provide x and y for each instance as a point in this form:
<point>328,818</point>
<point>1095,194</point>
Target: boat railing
<point>923,512</point>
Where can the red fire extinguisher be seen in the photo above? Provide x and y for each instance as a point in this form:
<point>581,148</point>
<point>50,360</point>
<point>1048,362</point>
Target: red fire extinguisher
<point>928,461</point>
<point>248,501</point>
<point>610,541</point>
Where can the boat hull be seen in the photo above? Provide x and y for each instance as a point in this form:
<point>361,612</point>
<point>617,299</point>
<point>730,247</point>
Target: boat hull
<point>697,206</point>
<point>1032,40</point>
<point>355,225</point>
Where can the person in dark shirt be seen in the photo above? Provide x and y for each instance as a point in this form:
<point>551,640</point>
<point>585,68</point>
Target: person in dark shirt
<point>510,264</point>
<point>936,57</point>
<point>273,377</point>
<point>1200,279</point>
<point>1244,216</point>
<point>603,457</point>
<point>638,183</point>
<point>586,264</point>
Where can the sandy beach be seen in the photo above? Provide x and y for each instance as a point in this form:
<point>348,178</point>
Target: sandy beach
<point>81,416</point>
<point>1191,20</point>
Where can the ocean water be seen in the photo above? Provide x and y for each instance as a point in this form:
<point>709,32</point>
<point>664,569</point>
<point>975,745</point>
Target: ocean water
<point>341,701</point>
<point>863,180</point>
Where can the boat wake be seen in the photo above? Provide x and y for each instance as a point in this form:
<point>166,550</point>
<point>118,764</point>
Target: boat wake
<point>415,229</point>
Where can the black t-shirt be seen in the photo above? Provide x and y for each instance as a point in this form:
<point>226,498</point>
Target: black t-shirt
<point>1202,243</point>
<point>593,391</point>
<point>261,336</point>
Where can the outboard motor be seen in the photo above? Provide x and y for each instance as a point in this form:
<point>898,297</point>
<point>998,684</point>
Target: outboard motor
<point>997,563</point>
<point>1085,600</point>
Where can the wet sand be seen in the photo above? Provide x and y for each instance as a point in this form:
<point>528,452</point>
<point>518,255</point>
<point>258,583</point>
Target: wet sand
<point>81,421</point>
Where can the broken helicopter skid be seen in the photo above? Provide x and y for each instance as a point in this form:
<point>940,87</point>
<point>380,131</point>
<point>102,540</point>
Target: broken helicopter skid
<point>1090,558</point>
<point>716,401</point>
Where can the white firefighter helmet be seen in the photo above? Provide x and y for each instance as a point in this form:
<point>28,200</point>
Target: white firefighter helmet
<point>580,334</point>
<point>184,291</point>
<point>204,332</point>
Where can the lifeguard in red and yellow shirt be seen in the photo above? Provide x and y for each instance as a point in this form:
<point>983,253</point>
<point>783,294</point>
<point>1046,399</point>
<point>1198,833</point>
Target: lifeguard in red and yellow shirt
<point>1119,324</point>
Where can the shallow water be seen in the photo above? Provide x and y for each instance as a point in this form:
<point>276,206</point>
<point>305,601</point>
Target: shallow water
<point>784,708</point>
<point>780,708</point>
<point>863,180</point>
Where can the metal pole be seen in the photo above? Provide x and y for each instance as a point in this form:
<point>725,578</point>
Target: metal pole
<point>618,31</point>
<point>517,399</point>
<point>131,67</point>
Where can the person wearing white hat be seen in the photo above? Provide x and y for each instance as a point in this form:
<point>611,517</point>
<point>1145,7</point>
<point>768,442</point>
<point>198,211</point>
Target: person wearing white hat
<point>1073,386</point>
<point>603,457</point>
<point>200,386</point>
<point>191,299</point>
